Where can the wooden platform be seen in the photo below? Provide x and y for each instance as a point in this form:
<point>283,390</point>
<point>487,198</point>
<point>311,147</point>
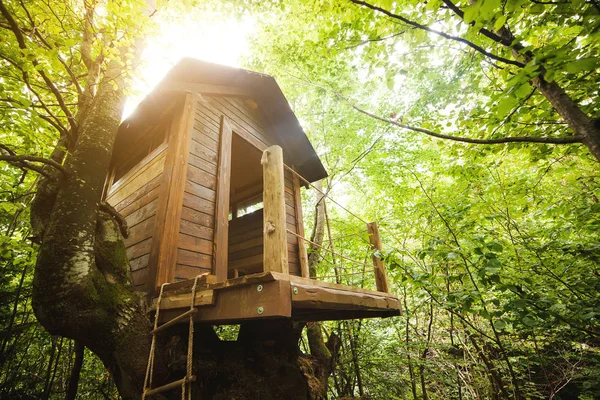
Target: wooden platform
<point>274,295</point>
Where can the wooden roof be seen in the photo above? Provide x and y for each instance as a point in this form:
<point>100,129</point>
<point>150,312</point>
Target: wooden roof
<point>204,77</point>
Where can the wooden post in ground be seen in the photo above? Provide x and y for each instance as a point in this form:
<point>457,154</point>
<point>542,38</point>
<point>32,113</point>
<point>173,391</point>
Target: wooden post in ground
<point>380,276</point>
<point>274,229</point>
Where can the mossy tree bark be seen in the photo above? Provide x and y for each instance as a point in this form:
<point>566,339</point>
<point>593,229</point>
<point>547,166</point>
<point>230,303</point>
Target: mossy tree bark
<point>81,287</point>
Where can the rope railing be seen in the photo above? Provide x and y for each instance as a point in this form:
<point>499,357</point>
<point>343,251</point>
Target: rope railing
<point>349,235</point>
<point>331,254</point>
<point>340,275</point>
<point>329,250</point>
<point>324,194</point>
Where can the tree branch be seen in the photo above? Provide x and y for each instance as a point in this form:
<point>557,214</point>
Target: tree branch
<point>120,220</point>
<point>51,86</point>
<point>520,139</point>
<point>44,42</point>
<point>25,79</point>
<point>8,155</point>
<point>14,27</point>
<point>378,39</point>
<point>439,33</point>
<point>490,35</point>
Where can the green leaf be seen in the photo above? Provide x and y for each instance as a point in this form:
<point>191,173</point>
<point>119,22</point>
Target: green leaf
<point>500,22</point>
<point>390,79</point>
<point>584,64</point>
<point>589,315</point>
<point>505,106</point>
<point>433,4</point>
<point>472,12</point>
<point>528,321</point>
<point>523,90</point>
<point>495,247</point>
<point>500,325</point>
<point>488,8</point>
<point>537,9</point>
<point>385,4</point>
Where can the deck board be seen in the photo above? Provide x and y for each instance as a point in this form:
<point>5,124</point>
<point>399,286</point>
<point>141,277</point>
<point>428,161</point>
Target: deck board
<point>280,296</point>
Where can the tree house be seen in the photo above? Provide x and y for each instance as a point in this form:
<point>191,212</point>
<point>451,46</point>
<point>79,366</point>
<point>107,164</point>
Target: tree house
<point>207,173</point>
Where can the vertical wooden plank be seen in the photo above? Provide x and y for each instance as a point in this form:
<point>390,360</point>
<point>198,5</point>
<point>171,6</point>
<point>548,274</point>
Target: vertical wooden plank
<point>110,178</point>
<point>274,234</point>
<point>220,242</point>
<point>302,254</point>
<point>380,276</point>
<point>163,253</point>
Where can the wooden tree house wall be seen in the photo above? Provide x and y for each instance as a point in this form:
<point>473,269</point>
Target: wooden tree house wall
<point>178,178</point>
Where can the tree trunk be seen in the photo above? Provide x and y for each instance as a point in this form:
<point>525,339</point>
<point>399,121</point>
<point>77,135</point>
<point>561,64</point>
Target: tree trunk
<point>325,354</point>
<point>318,231</point>
<point>75,372</point>
<point>582,125</point>
<point>354,353</point>
<point>81,287</point>
<point>8,331</point>
<point>578,121</point>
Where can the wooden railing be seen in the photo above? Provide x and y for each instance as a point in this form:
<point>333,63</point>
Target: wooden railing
<point>275,255</point>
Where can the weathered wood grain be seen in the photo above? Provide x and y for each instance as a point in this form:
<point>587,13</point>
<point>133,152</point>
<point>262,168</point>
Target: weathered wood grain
<point>274,224</point>
<point>161,265</point>
<point>380,275</point>
<point>222,210</point>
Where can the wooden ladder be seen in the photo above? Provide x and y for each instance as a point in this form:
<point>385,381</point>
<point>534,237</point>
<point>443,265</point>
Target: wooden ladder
<point>185,382</point>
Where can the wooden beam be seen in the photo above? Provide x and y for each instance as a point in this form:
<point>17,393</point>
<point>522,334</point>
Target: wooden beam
<point>203,282</point>
<point>207,89</point>
<point>204,297</point>
<point>315,282</point>
<point>275,257</point>
<point>302,254</point>
<point>307,314</point>
<point>316,297</point>
<point>246,192</point>
<point>380,276</point>
<point>242,302</point>
<point>220,242</point>
<point>163,253</point>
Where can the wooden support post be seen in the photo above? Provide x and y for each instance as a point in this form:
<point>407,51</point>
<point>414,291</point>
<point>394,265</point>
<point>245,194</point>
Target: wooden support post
<point>380,276</point>
<point>163,253</point>
<point>274,234</point>
<point>300,229</point>
<point>221,238</point>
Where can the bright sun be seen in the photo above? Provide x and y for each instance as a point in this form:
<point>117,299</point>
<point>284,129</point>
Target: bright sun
<point>219,40</point>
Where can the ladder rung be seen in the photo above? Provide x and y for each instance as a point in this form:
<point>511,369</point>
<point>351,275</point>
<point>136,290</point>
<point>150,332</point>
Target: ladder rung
<point>169,386</point>
<point>175,320</point>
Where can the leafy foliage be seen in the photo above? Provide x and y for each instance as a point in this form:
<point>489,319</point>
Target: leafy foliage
<point>493,250</point>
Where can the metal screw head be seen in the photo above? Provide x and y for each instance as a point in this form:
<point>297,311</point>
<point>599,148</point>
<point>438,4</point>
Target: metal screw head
<point>260,310</point>
<point>295,290</point>
<point>259,288</point>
